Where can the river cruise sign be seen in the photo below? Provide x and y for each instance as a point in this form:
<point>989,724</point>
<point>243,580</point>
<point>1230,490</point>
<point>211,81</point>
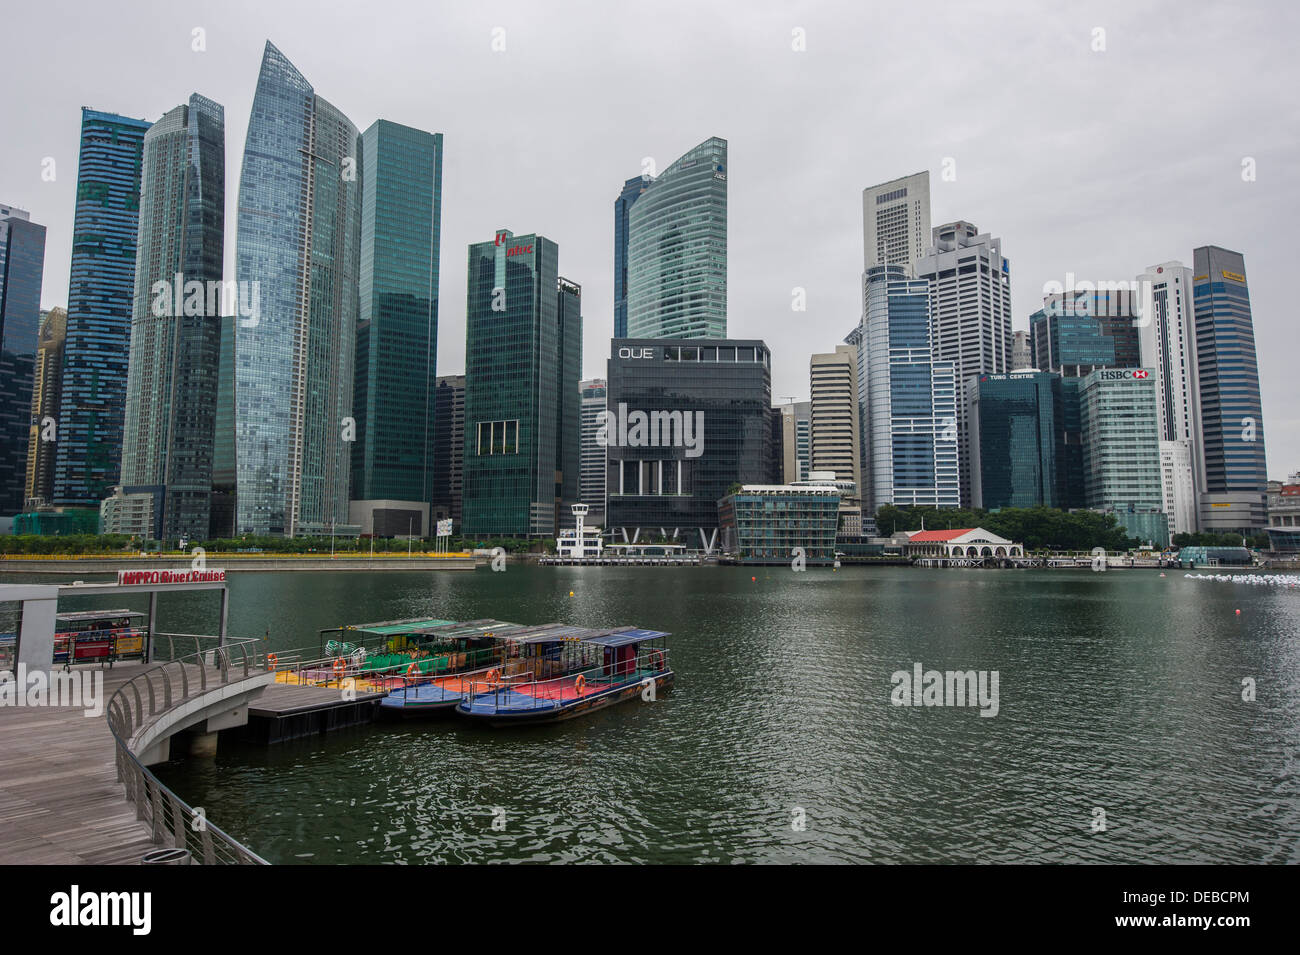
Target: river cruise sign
<point>135,578</point>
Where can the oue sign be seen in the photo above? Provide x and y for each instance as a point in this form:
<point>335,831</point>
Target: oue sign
<point>625,352</point>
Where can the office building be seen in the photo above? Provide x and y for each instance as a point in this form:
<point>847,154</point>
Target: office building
<point>970,314</point>
<point>101,288</point>
<point>677,249</point>
<point>1178,485</point>
<point>297,259</point>
<point>1233,478</point>
<point>1121,448</point>
<point>175,353</point>
<point>22,266</point>
<point>47,379</point>
<point>796,441</point>
<point>1079,331</point>
<point>1022,357</point>
<point>225,475</point>
<point>1016,428</point>
<point>687,419</point>
<point>591,490</point>
<point>448,448</point>
<point>397,328</point>
<point>632,190</point>
<point>896,222</point>
<point>906,400</point>
<point>764,523</point>
<point>834,415</point>
<point>523,360</point>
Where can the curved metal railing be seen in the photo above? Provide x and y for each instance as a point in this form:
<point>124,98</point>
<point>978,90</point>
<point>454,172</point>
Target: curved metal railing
<point>149,695</point>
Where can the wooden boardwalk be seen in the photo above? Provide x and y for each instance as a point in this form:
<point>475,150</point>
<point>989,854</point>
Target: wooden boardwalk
<point>60,801</point>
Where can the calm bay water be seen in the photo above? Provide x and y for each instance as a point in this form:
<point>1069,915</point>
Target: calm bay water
<point>1118,691</point>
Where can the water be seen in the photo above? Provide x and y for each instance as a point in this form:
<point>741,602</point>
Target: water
<point>1119,691</point>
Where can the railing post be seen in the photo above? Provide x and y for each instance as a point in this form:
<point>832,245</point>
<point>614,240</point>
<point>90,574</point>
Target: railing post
<point>179,821</point>
<point>153,704</point>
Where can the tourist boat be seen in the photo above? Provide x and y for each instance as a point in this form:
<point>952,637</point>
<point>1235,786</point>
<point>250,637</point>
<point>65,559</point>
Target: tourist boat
<point>569,671</point>
<point>438,691</point>
<point>98,636</point>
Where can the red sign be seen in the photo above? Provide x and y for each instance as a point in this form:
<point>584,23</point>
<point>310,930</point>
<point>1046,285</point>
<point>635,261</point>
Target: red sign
<point>519,250</point>
<point>131,578</point>
<point>501,238</point>
<point>1141,373</point>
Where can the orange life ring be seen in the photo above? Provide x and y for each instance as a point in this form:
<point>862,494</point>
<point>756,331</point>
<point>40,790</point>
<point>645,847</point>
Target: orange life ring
<point>413,669</point>
<point>339,665</point>
<point>657,660</point>
<point>494,676</point>
<point>271,661</point>
<point>580,683</point>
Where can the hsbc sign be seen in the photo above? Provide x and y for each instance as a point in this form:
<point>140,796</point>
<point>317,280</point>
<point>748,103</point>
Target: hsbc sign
<point>1126,374</point>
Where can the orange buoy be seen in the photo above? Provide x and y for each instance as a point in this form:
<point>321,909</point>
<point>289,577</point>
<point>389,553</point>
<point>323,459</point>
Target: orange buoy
<point>271,661</point>
<point>580,683</point>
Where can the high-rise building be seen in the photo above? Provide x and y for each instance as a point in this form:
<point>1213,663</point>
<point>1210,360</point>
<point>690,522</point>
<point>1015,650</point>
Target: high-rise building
<point>677,249</point>
<point>836,431</point>
<point>796,441</point>
<point>22,266</point>
<point>523,334</point>
<point>1121,448</point>
<point>896,222</point>
<point>297,256</point>
<point>906,400</point>
<point>100,294</point>
<point>1167,337</point>
<point>1233,479</point>
<point>970,314</point>
<point>448,448</point>
<point>1016,431</point>
<point>1077,332</point>
<point>397,328</point>
<point>47,379</point>
<point>687,419</point>
<point>175,352</point>
<point>1022,356</point>
<point>225,475</point>
<point>591,491</point>
<point>632,190</point>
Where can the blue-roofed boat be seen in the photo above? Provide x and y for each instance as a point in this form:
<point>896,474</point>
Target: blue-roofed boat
<point>563,672</point>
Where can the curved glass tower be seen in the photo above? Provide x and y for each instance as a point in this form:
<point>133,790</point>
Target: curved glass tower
<point>677,249</point>
<point>297,261</point>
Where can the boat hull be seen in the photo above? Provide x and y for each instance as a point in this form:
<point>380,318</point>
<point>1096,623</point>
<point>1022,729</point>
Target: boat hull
<point>569,710</point>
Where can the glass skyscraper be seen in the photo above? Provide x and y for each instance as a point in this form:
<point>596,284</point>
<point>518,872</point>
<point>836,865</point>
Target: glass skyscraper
<point>175,352</point>
<point>662,476</point>
<point>632,189</point>
<point>677,249</point>
<point>1017,428</point>
<point>448,449</point>
<point>906,400</point>
<point>297,257</point>
<point>22,266</point>
<point>100,293</point>
<point>1078,332</point>
<point>46,382</point>
<point>397,329</point>
<point>591,489</point>
<point>1233,478</point>
<point>523,360</point>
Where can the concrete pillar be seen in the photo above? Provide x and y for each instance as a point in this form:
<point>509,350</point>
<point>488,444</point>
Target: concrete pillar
<point>36,638</point>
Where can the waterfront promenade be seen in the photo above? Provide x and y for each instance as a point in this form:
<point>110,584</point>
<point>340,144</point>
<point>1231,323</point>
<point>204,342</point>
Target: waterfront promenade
<point>233,563</point>
<point>60,801</point>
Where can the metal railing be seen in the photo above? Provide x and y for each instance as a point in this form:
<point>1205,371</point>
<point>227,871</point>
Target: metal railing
<point>149,695</point>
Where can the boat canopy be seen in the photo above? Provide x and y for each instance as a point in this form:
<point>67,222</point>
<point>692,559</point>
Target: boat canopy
<point>624,637</point>
<point>77,615</point>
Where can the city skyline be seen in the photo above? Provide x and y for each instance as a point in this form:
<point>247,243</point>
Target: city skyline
<point>795,214</point>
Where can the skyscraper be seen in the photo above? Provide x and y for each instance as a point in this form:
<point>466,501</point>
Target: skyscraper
<point>175,352</point>
<point>448,448</point>
<point>523,333</point>
<point>836,432</point>
<point>1121,449</point>
<point>1233,477</point>
<point>1167,337</point>
<point>796,441</point>
<point>1079,331</point>
<point>1016,432</point>
<point>592,486</point>
<point>906,399</point>
<point>22,265</point>
<point>46,382</point>
<point>896,222</point>
<point>677,249</point>
<point>100,292</point>
<point>970,314</point>
<point>397,331</point>
<point>632,190</point>
<point>297,257</point>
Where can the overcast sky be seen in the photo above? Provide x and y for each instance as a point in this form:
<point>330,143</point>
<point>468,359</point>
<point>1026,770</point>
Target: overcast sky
<point>1098,163</point>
